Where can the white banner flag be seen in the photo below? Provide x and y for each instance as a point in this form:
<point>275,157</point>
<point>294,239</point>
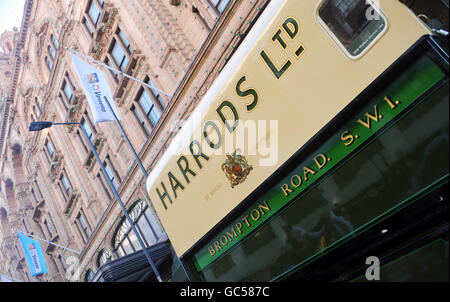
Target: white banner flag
<point>96,89</point>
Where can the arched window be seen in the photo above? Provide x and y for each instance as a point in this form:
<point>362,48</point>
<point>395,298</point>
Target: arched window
<point>125,241</point>
<point>54,41</point>
<point>104,256</point>
<point>36,112</point>
<point>38,104</point>
<point>49,63</point>
<point>51,52</point>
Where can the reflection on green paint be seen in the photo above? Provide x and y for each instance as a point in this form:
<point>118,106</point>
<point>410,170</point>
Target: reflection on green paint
<point>426,264</point>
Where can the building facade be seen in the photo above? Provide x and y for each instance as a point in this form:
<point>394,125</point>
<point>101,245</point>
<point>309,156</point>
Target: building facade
<point>358,89</point>
<point>51,185</point>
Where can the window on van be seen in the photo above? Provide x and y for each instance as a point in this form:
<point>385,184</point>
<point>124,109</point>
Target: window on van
<point>354,24</point>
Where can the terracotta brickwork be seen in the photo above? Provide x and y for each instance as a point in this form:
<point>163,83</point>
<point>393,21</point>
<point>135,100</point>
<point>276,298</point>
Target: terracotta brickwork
<point>50,183</point>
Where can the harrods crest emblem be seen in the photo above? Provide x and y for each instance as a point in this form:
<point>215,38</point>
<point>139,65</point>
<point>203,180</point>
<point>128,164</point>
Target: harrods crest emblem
<point>236,168</point>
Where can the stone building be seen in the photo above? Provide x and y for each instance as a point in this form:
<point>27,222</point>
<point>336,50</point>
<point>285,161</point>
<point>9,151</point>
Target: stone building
<point>51,185</point>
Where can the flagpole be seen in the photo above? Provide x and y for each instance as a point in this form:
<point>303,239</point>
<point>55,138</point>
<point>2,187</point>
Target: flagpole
<point>97,102</point>
<point>118,71</point>
<point>136,157</point>
<point>125,136</point>
<point>124,210</point>
<point>40,239</point>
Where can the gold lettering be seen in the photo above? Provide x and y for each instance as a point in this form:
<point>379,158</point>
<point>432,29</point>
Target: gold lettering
<point>226,240</point>
<point>239,227</point>
<point>286,190</point>
<point>217,246</point>
<point>211,250</point>
<point>232,234</point>
<point>307,171</point>
<point>257,216</point>
<point>318,163</point>
<point>370,116</point>
<point>299,181</point>
<point>245,218</point>
<point>264,206</point>
<point>390,103</point>
<point>348,139</point>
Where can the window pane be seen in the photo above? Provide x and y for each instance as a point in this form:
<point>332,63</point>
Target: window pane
<point>148,234</point>
<point>49,63</point>
<point>154,115</point>
<point>36,100</point>
<point>111,176</point>
<point>155,226</point>
<point>349,23</point>
<point>133,239</point>
<point>127,246</point>
<point>138,115</point>
<point>49,231</point>
<point>84,224</point>
<point>66,185</point>
<point>68,91</point>
<point>50,148</point>
<point>82,221</point>
<point>88,130</point>
<point>115,74</point>
<point>25,225</point>
<point>120,252</point>
<point>124,64</point>
<point>145,102</point>
<point>55,42</point>
<point>119,56</point>
<point>223,4</point>
<point>88,26</point>
<point>36,198</point>
<point>155,93</point>
<point>109,172</point>
<point>140,119</point>
<point>94,12</point>
<point>125,41</point>
<point>52,52</point>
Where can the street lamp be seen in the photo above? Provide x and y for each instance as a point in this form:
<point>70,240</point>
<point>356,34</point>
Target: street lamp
<point>38,126</point>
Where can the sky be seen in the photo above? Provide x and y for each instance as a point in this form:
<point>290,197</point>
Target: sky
<point>11,12</point>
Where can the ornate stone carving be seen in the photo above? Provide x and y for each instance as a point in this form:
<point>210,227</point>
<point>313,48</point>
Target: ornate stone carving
<point>55,167</point>
<point>50,248</point>
<point>38,209</point>
<point>175,2</point>
<point>76,109</point>
<point>90,159</point>
<point>104,35</point>
<point>73,199</point>
<point>41,36</point>
<point>22,194</point>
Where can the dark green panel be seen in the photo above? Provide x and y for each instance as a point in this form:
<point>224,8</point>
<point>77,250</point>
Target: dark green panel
<point>385,171</point>
<point>426,264</point>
